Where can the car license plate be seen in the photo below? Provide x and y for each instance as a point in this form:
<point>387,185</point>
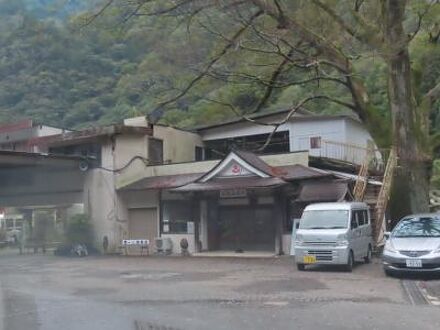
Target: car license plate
<point>413,263</point>
<point>309,259</point>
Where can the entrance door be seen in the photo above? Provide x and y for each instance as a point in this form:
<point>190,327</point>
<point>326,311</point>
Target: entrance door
<point>246,229</point>
<point>142,223</point>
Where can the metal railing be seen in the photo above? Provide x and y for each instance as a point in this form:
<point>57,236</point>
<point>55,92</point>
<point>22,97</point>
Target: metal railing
<point>351,153</point>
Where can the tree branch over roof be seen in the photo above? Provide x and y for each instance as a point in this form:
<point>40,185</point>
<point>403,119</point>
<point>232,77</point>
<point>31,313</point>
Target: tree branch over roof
<point>211,63</point>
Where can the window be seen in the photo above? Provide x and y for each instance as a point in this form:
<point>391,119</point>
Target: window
<point>199,154</point>
<point>360,217</point>
<point>175,217</point>
<point>315,142</point>
<point>90,150</point>
<point>366,220</point>
<point>353,223</point>
<point>324,219</point>
<point>418,227</point>
<point>217,149</point>
<point>155,151</point>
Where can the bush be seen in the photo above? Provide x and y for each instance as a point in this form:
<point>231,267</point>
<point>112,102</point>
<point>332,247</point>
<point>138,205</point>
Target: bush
<point>79,230</point>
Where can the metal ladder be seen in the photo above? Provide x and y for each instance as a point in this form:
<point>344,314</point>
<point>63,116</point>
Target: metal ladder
<point>362,178</point>
<point>384,196</point>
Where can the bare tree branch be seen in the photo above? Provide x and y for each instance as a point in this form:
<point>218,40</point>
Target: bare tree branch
<point>211,63</point>
<point>420,17</point>
<point>434,93</point>
<point>92,18</point>
<point>272,81</point>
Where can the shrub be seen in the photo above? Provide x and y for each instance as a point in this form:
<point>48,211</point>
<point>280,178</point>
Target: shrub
<point>79,230</point>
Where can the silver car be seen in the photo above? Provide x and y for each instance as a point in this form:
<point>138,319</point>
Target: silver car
<point>413,245</point>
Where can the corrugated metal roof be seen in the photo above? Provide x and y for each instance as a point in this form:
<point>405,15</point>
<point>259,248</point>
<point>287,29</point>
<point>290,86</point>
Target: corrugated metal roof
<point>323,191</point>
<point>298,172</point>
<point>300,115</point>
<point>255,161</point>
<point>92,133</point>
<point>286,173</point>
<point>162,182</point>
<point>232,183</point>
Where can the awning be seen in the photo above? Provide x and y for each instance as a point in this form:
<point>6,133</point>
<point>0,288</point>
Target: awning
<point>253,182</point>
<point>325,191</point>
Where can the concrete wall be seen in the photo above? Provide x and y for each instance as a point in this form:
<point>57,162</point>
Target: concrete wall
<point>178,146</point>
<point>287,238</point>
<point>101,204</point>
<point>128,146</point>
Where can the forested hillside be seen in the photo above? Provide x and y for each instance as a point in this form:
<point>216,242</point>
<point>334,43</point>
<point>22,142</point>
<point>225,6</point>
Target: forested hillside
<point>57,69</point>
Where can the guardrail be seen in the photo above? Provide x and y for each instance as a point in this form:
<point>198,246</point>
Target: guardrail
<point>352,153</point>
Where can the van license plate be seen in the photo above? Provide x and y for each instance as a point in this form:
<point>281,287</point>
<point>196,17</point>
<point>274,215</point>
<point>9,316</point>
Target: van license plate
<point>309,259</point>
<point>414,263</point>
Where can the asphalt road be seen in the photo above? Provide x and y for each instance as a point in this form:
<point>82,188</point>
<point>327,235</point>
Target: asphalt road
<point>46,292</point>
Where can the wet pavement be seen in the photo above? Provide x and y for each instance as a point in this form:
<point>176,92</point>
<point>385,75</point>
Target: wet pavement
<point>47,292</point>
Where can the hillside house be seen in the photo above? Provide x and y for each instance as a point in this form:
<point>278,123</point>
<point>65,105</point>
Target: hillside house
<point>210,186</point>
<point>20,136</point>
<point>338,137</point>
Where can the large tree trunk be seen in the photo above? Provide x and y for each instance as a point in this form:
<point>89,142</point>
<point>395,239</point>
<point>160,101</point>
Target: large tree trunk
<point>413,172</point>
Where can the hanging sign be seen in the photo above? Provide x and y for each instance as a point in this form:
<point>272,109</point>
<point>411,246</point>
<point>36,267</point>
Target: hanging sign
<point>233,193</point>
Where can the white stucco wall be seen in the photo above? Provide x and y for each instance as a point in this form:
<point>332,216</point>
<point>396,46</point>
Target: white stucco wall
<point>178,145</point>
<point>47,130</point>
<point>302,131</point>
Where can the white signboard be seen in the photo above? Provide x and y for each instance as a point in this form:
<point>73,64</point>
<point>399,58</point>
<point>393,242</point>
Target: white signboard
<point>141,242</point>
<point>233,193</point>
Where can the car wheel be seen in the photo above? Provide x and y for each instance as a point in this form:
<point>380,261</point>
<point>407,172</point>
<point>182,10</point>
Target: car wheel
<point>350,262</point>
<point>367,258</point>
<point>388,272</point>
<point>301,267</point>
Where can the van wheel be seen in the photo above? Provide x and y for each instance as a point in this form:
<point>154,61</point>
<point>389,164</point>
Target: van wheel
<point>350,262</point>
<point>368,257</point>
<point>388,272</point>
<point>300,267</point>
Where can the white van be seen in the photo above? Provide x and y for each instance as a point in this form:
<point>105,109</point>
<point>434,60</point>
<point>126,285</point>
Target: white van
<point>334,233</point>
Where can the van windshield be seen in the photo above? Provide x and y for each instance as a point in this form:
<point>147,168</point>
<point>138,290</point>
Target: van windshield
<point>324,219</point>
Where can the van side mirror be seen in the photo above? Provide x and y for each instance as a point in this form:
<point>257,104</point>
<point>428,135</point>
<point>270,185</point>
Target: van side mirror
<point>387,234</point>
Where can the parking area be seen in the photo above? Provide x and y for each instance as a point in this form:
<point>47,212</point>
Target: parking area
<point>47,292</point>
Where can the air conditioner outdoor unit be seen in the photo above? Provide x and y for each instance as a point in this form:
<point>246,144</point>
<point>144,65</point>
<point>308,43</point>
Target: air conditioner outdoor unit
<point>163,245</point>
